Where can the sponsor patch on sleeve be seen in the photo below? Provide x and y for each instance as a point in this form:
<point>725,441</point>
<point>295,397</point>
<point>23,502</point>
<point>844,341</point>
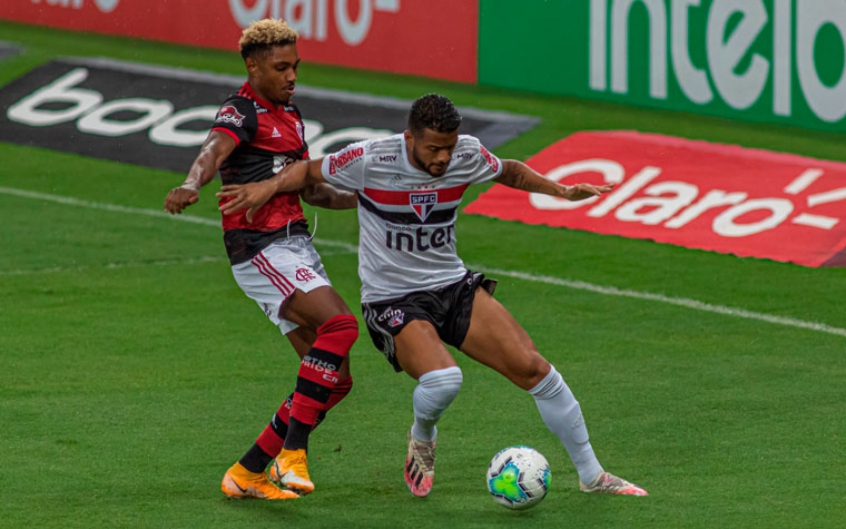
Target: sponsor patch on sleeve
<point>492,161</point>
<point>345,158</point>
<point>229,115</point>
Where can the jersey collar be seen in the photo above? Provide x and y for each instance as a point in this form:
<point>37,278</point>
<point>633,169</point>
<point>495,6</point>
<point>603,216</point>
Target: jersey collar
<point>248,90</point>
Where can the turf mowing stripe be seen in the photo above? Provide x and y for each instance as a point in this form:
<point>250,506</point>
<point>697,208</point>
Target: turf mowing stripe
<point>681,302</point>
<point>577,285</point>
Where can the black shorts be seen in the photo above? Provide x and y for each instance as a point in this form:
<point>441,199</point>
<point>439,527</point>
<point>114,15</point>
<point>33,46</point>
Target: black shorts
<point>447,309</point>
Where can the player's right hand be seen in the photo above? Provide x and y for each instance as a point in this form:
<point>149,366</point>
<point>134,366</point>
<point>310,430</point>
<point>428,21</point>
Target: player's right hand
<point>252,196</point>
<point>180,198</point>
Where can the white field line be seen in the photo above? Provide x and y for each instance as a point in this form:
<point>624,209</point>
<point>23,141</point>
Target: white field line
<point>136,264</point>
<point>69,201</point>
<point>525,276</point>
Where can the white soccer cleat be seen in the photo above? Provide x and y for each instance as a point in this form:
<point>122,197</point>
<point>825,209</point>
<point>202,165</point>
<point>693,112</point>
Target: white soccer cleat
<point>607,483</point>
<point>419,466</point>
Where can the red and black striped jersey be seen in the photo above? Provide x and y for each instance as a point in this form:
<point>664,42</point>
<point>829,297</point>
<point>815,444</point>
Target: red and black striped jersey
<point>268,138</point>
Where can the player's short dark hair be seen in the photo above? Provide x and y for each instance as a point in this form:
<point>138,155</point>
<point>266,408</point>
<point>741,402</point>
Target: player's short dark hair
<point>435,112</point>
<point>262,36</point>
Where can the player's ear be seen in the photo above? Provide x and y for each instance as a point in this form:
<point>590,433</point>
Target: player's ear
<point>409,137</point>
<point>251,64</point>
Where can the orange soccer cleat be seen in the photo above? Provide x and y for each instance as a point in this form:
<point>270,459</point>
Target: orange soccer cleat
<point>290,470</point>
<point>238,482</point>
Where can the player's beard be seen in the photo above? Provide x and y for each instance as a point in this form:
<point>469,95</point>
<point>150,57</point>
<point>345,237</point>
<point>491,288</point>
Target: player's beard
<point>427,168</point>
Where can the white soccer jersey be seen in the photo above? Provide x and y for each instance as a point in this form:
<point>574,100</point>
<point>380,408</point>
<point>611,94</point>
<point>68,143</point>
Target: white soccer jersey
<point>407,216</point>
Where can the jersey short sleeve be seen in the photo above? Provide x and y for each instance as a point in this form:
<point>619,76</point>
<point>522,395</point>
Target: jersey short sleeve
<point>237,117</point>
<point>481,164</point>
<point>345,168</point>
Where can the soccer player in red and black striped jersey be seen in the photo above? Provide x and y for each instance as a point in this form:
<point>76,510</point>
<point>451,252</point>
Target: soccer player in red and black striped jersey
<point>256,133</point>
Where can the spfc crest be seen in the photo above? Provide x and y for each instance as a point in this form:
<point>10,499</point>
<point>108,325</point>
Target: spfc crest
<point>423,203</point>
<point>393,316</point>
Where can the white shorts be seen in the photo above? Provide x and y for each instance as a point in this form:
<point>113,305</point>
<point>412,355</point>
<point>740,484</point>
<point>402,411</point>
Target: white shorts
<point>276,272</point>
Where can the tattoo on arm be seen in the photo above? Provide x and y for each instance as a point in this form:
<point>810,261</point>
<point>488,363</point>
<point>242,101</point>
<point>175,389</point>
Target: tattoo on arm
<point>518,175</point>
<point>523,180</point>
<point>521,176</point>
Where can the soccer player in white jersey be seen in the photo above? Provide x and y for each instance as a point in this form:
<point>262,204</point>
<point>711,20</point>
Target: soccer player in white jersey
<point>417,293</point>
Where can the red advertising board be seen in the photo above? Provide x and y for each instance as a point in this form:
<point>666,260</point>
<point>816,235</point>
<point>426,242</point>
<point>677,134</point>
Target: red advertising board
<point>723,198</point>
<point>435,38</point>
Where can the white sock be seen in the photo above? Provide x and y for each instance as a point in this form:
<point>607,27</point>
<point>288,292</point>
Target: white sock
<point>563,416</point>
<point>435,391</point>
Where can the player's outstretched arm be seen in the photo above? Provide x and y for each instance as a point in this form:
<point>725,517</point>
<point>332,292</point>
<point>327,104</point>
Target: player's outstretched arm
<point>253,196</point>
<point>329,197</point>
<point>518,175</point>
<point>214,150</point>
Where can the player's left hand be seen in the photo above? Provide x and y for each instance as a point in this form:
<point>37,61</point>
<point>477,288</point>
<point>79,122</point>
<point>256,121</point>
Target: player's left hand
<point>180,198</point>
<point>252,196</point>
<point>583,191</point>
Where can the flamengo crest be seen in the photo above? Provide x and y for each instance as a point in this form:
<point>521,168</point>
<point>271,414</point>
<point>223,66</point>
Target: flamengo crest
<point>229,114</point>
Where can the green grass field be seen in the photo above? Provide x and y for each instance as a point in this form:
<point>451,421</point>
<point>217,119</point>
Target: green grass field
<point>134,371</point>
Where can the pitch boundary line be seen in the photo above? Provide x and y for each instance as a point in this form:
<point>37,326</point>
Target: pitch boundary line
<point>525,276</point>
<point>69,201</point>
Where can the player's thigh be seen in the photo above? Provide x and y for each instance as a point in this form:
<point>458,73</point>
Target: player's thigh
<point>419,349</point>
<point>301,338</point>
<point>295,265</point>
<point>313,308</point>
<point>288,282</point>
<point>498,341</point>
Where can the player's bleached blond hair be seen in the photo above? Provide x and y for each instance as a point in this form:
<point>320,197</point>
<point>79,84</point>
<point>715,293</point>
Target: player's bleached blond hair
<point>263,35</point>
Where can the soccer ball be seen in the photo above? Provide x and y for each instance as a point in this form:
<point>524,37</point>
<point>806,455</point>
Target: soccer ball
<point>518,477</point>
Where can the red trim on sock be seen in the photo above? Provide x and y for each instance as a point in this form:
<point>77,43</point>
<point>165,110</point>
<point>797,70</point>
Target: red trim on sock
<point>337,334</point>
<point>341,390</point>
<point>268,440</point>
<point>306,409</point>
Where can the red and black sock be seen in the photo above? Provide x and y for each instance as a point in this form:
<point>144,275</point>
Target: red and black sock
<point>318,377</point>
<point>319,394</point>
<point>341,390</point>
<point>270,441</point>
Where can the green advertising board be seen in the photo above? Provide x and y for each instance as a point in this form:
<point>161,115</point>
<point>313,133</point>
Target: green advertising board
<point>771,61</point>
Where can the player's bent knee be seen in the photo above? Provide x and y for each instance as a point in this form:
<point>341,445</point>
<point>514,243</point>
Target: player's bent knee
<point>337,334</point>
<point>441,385</point>
<point>529,372</point>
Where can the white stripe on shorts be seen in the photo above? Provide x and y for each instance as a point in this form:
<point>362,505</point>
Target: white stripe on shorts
<point>277,272</point>
<point>388,348</point>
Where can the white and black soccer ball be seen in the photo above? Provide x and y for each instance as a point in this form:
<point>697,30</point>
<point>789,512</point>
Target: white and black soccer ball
<point>518,477</point>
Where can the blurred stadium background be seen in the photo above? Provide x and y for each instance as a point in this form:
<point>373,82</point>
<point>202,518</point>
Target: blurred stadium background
<point>134,370</point>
